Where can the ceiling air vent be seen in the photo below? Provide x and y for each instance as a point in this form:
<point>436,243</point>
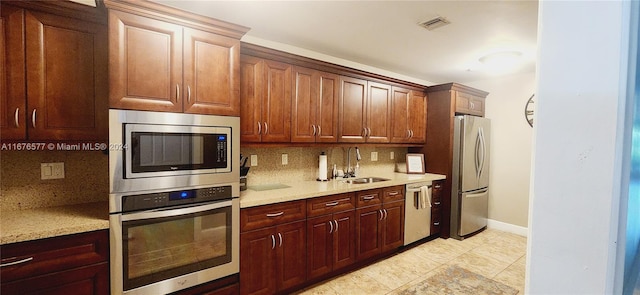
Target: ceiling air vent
<point>433,24</point>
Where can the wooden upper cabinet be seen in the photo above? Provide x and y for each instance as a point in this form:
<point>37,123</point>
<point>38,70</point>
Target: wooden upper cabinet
<point>12,74</point>
<point>66,80</point>
<point>409,117</point>
<point>352,110</point>
<point>314,114</point>
<point>211,73</point>
<point>470,104</point>
<point>251,80</point>
<point>145,69</point>
<point>181,65</point>
<point>276,104</point>
<point>365,111</point>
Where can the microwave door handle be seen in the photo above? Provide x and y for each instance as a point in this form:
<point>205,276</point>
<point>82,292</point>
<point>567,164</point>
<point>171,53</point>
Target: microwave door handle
<point>168,212</point>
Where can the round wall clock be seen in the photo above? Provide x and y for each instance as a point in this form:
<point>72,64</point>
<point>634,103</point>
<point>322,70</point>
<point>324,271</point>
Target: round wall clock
<point>528,110</point>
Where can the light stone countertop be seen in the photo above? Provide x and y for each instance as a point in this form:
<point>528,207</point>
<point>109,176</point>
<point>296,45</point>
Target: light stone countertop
<point>310,189</point>
<point>39,223</point>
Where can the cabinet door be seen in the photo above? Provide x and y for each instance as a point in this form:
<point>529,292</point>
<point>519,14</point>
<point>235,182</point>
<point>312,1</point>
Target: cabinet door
<point>211,68</point>
<point>292,255</point>
<point>417,116</point>
<point>305,101</point>
<point>353,106</point>
<point>251,81</point>
<point>320,245</point>
<point>89,280</point>
<point>145,63</point>
<point>276,103</point>
<point>257,249</point>
<point>344,239</point>
<point>368,242</point>
<point>379,113</point>
<point>67,78</point>
<point>12,74</point>
<point>400,115</point>
<point>393,225</point>
<point>469,104</point>
<point>327,109</point>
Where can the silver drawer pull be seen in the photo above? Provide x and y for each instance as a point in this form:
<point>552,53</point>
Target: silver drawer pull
<point>437,186</point>
<point>436,223</point>
<point>275,214</point>
<point>332,204</point>
<point>393,193</point>
<point>367,198</point>
<point>436,203</point>
<point>16,262</point>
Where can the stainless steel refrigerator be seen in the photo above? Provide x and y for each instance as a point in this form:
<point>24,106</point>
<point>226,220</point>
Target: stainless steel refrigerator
<point>470,175</point>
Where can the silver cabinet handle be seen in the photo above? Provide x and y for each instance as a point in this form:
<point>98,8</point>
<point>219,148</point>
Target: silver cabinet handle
<point>16,262</point>
<point>411,131</point>
<point>266,128</point>
<point>275,214</point>
<point>280,237</point>
<point>408,133</point>
<point>436,203</point>
<point>386,214</point>
<point>331,204</point>
<point>381,214</point>
<point>336,225</point>
<point>393,193</point>
<point>314,130</point>
<point>436,223</point>
<point>368,197</point>
<point>259,128</point>
<point>437,186</point>
<point>16,117</point>
<point>188,93</point>
<point>177,92</point>
<point>273,242</point>
<point>369,135</point>
<point>331,226</point>
<point>319,131</point>
<point>364,132</point>
<point>33,118</point>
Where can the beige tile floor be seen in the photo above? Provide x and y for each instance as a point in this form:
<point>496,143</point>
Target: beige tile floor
<point>493,254</point>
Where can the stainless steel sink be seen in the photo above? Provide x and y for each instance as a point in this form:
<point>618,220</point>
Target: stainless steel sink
<point>364,180</point>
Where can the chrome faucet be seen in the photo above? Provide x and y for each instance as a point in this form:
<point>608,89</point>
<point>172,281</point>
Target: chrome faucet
<point>351,172</point>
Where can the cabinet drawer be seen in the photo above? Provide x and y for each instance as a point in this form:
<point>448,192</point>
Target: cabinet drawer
<point>330,204</point>
<point>53,255</point>
<point>369,197</point>
<point>268,215</point>
<point>393,193</point>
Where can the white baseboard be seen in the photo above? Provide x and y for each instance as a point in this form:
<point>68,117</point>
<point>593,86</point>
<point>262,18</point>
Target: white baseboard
<point>507,227</point>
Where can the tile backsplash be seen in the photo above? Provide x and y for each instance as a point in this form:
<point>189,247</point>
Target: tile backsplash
<point>303,162</point>
<point>86,179</point>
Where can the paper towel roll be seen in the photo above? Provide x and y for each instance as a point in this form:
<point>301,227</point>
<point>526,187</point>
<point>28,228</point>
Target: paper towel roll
<point>322,167</point>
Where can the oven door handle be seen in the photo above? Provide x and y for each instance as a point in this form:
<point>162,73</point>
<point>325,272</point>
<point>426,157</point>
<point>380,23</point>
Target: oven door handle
<point>173,211</point>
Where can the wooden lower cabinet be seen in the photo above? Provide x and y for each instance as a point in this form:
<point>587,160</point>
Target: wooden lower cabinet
<point>330,243</point>
<point>273,258</point>
<point>380,224</point>
<point>392,226</point>
<point>73,264</point>
<point>369,220</point>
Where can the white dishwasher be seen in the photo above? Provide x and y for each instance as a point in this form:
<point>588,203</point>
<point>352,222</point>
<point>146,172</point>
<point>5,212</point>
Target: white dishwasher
<point>417,213</point>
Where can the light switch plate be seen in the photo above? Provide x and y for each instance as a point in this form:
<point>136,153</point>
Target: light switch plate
<point>51,170</point>
<point>392,155</point>
<point>374,156</point>
<point>254,160</point>
<point>285,159</point>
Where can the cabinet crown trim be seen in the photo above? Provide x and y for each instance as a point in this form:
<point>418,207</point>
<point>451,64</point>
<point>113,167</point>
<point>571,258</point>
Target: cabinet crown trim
<point>177,16</point>
<point>457,87</point>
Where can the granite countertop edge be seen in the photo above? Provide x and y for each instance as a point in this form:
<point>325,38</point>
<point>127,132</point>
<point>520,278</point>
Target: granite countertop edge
<point>47,222</point>
<point>310,189</point>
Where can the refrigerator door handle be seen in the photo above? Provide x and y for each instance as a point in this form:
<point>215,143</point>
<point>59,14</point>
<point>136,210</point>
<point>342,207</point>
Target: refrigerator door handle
<point>477,154</point>
<point>484,150</point>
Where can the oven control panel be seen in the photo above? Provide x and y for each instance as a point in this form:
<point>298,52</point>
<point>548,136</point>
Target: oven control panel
<point>173,198</point>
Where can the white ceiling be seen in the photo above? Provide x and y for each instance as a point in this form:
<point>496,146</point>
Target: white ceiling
<point>385,34</point>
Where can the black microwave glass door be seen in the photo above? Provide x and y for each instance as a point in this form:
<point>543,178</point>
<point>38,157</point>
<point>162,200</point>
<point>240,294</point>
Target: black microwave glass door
<point>157,151</point>
<point>162,248</point>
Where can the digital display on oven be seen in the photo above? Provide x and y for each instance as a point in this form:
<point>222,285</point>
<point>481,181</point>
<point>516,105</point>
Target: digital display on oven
<point>182,195</point>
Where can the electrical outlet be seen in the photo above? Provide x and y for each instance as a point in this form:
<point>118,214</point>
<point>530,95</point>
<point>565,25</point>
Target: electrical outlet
<point>285,159</point>
<point>392,155</point>
<point>51,170</point>
<point>254,160</point>
<point>374,156</point>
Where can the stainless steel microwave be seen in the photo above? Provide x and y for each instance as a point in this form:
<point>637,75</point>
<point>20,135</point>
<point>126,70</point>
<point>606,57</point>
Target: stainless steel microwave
<point>156,150</point>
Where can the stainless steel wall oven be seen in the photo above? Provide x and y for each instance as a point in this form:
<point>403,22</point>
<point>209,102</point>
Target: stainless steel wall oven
<point>174,202</point>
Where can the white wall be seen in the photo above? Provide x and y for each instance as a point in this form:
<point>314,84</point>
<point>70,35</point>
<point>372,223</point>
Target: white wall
<point>577,146</point>
<point>511,142</point>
